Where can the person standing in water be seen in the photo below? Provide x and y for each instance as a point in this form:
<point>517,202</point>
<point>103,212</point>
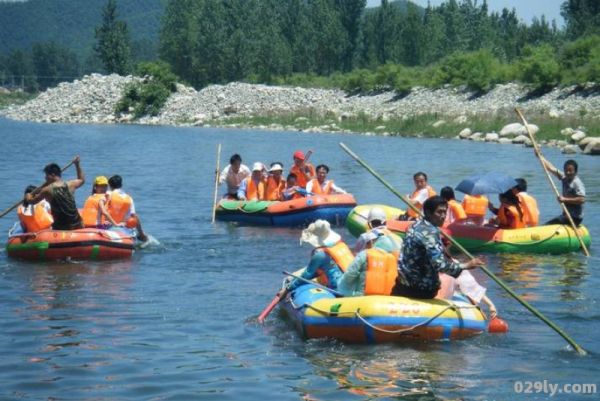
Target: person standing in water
<point>60,195</point>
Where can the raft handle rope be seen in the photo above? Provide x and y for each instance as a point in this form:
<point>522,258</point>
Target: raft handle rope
<point>366,323</point>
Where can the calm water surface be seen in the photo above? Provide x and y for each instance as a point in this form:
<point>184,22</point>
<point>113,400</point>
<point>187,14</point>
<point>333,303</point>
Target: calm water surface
<point>178,321</point>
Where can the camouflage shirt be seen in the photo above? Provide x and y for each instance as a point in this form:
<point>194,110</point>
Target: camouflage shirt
<point>423,258</point>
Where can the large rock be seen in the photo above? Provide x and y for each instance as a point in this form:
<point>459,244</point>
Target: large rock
<point>476,136</point>
<point>513,129</point>
<point>464,134</point>
<point>521,139</point>
<point>585,141</point>
<point>567,131</point>
<point>491,137</point>
<point>577,136</point>
<point>438,124</point>
<point>592,148</point>
<point>570,149</point>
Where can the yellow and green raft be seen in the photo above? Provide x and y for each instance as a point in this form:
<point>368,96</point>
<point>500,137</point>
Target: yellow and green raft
<point>548,239</point>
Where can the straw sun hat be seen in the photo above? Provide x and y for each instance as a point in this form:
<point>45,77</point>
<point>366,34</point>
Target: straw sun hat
<point>319,234</point>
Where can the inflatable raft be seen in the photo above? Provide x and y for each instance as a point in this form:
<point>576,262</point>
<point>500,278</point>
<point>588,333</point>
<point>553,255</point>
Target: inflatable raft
<point>82,244</point>
<point>296,212</point>
<point>317,313</point>
<point>549,239</point>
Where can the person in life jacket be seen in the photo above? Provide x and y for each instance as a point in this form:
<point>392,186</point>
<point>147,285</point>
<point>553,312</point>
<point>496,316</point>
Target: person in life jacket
<point>95,212</point>
<point>275,183</point>
<point>527,202</point>
<point>122,208</point>
<point>321,185</point>
<point>421,193</point>
<point>509,215</point>
<point>475,206</point>
<point>330,256</point>
<point>375,267</point>
<point>303,170</point>
<point>378,234</point>
<point>253,187</point>
<point>233,175</point>
<point>292,191</point>
<point>455,213</point>
<point>34,217</point>
<point>59,194</point>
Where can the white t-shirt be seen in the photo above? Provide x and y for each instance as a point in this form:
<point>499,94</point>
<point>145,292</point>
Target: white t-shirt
<point>334,188</point>
<point>232,179</point>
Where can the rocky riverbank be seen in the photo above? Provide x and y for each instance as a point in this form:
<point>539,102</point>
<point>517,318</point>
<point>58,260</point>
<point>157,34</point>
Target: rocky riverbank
<point>93,98</point>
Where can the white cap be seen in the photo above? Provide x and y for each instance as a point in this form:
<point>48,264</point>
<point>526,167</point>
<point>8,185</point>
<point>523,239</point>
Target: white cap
<point>378,214</point>
<point>320,234</point>
<point>276,167</point>
<point>258,166</point>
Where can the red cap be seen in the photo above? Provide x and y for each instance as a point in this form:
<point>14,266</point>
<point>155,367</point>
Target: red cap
<point>299,155</point>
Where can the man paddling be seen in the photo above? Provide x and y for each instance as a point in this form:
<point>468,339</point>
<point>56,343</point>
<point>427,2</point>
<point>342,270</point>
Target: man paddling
<point>59,194</point>
<point>423,256</point>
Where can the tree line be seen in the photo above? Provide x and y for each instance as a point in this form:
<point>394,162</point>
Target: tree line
<point>342,43</point>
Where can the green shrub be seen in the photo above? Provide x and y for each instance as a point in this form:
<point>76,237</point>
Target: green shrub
<point>580,59</point>
<point>539,67</point>
<point>148,96</point>
<point>478,71</point>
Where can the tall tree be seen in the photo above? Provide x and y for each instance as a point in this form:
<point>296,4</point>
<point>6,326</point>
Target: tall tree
<point>112,44</point>
<point>53,64</point>
<point>582,17</point>
<point>350,12</point>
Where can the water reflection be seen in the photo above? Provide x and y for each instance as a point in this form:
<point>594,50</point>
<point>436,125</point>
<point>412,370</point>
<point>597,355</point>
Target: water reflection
<point>417,371</point>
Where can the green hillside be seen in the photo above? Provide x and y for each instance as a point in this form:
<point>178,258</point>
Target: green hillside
<point>71,23</point>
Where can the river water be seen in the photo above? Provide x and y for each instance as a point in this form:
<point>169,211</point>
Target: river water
<point>178,321</point>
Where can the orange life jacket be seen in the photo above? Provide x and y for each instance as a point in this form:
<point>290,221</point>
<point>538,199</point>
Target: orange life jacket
<point>39,220</point>
<point>341,255</point>
<point>301,180</point>
<point>253,191</point>
<point>475,205</point>
<point>455,212</point>
<point>430,193</point>
<point>118,206</point>
<point>508,217</point>
<point>531,213</point>
<point>274,190</point>
<point>91,214</point>
<point>381,273</point>
<point>317,190</point>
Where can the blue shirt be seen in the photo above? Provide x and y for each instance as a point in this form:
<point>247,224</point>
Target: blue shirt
<point>423,258</point>
<point>319,260</point>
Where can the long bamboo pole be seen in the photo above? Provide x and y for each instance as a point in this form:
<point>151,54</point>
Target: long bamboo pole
<point>4,213</point>
<point>214,208</point>
<point>501,283</point>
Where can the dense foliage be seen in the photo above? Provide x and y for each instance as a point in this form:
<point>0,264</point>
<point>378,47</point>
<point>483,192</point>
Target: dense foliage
<point>148,96</point>
<point>337,43</point>
<point>112,46</point>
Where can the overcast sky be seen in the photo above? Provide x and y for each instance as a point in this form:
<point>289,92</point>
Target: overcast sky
<point>526,9</point>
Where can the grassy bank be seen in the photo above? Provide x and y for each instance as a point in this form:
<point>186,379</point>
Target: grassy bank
<point>417,126</point>
<point>14,98</point>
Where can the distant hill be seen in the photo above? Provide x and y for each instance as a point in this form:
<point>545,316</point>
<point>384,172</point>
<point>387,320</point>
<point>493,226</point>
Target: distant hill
<point>71,23</point>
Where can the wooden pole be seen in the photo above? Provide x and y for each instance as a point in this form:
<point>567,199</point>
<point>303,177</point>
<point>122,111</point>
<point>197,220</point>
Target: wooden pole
<point>530,308</point>
<point>4,213</point>
<point>214,208</point>
<point>538,153</point>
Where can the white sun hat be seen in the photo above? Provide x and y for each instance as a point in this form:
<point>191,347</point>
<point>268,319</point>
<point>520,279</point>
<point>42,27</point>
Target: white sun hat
<point>276,167</point>
<point>378,214</point>
<point>258,166</point>
<point>320,234</point>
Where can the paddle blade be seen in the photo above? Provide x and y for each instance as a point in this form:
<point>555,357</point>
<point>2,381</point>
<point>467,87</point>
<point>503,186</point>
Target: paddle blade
<point>497,325</point>
<point>263,315</point>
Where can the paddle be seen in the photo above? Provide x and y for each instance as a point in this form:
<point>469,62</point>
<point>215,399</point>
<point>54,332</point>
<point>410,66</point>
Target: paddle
<point>278,297</point>
<point>334,292</point>
<point>538,153</point>
<point>214,208</point>
<point>4,213</point>
<point>538,314</point>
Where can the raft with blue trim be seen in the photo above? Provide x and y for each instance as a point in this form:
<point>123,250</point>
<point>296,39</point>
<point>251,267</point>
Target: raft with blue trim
<point>81,244</point>
<point>547,239</point>
<point>373,319</point>
<point>295,212</point>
